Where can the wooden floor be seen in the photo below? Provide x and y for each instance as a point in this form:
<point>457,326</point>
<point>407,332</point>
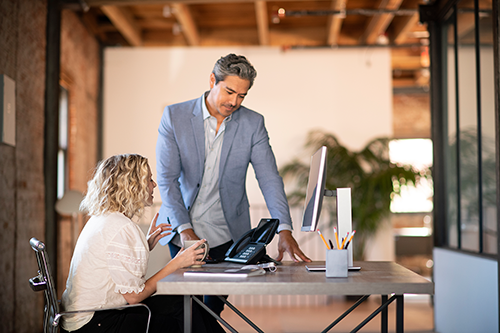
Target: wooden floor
<point>418,317</point>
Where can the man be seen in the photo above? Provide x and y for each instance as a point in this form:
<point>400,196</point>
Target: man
<point>203,151</point>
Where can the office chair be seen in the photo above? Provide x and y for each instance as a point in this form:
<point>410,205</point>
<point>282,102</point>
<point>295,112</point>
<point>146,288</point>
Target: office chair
<point>43,281</point>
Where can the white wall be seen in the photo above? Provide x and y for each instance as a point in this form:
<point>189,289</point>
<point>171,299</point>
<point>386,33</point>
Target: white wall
<point>346,92</point>
<point>466,293</point>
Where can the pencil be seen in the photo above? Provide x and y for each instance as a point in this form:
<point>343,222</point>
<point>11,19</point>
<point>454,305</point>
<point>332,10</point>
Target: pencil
<point>336,237</point>
<point>324,241</point>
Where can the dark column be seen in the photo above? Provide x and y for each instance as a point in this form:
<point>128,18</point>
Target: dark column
<point>496,52</point>
<point>51,131</point>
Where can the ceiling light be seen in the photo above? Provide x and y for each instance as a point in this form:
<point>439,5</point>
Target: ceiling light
<point>167,11</point>
<point>176,29</point>
<point>419,34</point>
<point>382,39</point>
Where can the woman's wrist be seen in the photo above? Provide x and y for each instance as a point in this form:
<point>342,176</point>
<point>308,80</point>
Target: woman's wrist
<point>174,264</point>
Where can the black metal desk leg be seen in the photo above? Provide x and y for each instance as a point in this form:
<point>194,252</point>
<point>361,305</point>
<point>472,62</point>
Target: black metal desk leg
<point>384,317</point>
<point>187,313</point>
<point>400,313</point>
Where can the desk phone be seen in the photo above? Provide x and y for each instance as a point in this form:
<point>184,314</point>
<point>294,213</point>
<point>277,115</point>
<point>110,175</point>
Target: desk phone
<point>251,247</point>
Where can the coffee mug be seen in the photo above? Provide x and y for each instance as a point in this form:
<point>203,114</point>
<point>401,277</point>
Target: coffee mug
<point>204,246</point>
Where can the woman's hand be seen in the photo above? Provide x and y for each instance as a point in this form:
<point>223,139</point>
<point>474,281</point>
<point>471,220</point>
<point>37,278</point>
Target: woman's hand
<point>155,233</point>
<point>191,256</point>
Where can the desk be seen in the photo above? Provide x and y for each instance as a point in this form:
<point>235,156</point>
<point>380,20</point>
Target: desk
<point>382,278</point>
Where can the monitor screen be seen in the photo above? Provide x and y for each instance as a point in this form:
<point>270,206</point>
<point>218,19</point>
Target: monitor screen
<point>315,191</point>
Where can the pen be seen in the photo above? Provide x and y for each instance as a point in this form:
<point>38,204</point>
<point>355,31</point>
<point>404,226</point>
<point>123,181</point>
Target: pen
<point>343,241</point>
<point>331,244</point>
<point>336,237</point>
<point>324,241</point>
<point>350,239</point>
<point>154,232</point>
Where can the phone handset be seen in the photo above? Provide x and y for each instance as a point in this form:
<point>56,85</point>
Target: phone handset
<point>251,247</point>
<point>243,241</point>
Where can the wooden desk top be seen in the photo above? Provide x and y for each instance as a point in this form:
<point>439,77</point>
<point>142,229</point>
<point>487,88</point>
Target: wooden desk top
<point>291,278</point>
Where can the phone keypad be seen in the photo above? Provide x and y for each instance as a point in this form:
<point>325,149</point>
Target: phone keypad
<point>247,252</point>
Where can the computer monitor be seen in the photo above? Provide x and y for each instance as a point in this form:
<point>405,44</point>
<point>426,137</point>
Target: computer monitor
<point>314,200</point>
<point>315,190</point>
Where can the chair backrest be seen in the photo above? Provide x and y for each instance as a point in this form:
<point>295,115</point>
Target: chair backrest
<point>45,282</point>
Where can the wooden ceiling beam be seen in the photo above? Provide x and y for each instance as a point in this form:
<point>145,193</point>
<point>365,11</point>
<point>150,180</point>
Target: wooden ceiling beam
<point>406,62</point>
<point>262,22</point>
<point>90,21</point>
<point>298,37</point>
<point>335,22</point>
<point>97,3</point>
<point>124,21</point>
<point>400,31</point>
<point>155,24</point>
<point>189,29</point>
<point>378,24</point>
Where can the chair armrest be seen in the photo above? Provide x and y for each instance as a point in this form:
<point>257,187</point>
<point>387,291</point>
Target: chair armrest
<point>38,283</point>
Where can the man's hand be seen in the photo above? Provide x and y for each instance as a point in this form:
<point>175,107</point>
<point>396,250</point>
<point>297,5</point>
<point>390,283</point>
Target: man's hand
<point>289,244</point>
<point>188,234</point>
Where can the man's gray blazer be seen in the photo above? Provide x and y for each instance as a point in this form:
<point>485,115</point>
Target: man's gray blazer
<point>180,155</point>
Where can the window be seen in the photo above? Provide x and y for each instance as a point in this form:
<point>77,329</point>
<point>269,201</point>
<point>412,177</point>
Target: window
<point>469,124</point>
<point>418,153</point>
<point>62,154</point>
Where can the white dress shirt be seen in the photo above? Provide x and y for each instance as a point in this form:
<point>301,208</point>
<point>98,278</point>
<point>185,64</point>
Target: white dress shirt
<point>207,216</point>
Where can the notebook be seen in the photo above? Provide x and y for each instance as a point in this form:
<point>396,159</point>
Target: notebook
<point>226,272</point>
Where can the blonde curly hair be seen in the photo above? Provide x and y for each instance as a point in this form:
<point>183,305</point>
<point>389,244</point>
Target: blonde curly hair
<point>120,184</point>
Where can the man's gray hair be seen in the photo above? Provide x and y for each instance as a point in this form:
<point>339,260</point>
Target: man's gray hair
<point>234,65</point>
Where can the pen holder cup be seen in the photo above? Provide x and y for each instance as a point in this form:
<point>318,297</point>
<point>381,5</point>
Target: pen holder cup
<point>336,263</point>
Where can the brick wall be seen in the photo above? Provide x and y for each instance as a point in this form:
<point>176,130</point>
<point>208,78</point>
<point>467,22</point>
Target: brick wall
<point>8,23</point>
<point>80,75</point>
<point>411,116</point>
<point>22,210</point>
<point>80,65</point>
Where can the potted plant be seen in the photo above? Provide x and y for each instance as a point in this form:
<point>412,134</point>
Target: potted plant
<point>373,180</point>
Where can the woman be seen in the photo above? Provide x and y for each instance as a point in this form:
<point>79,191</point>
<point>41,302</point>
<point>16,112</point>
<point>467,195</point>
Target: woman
<point>110,259</point>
